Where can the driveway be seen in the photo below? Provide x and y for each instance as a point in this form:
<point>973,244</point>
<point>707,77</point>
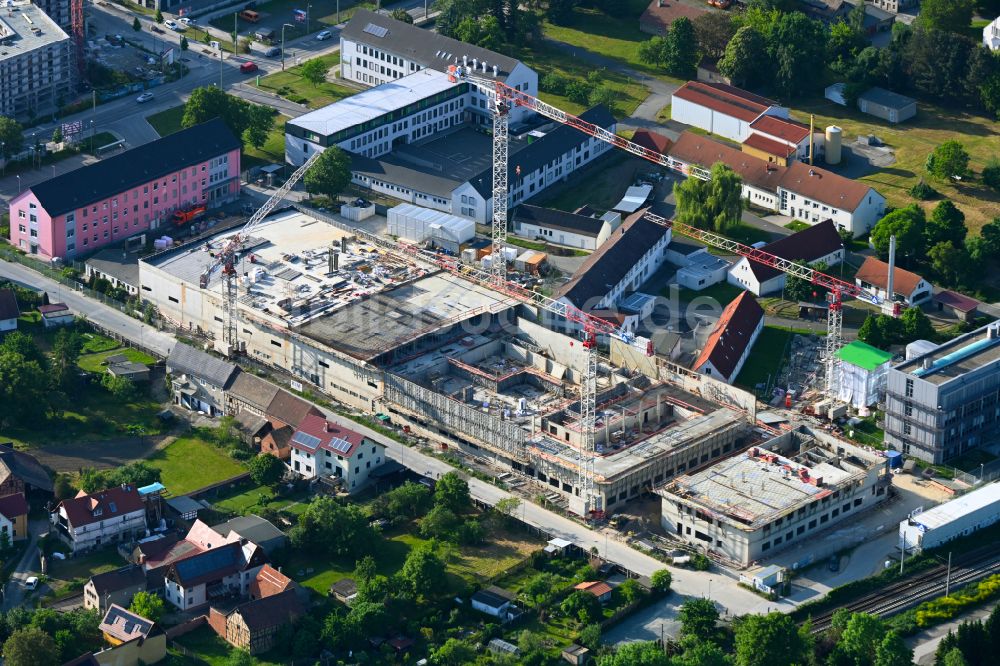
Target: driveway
<point>14,593</point>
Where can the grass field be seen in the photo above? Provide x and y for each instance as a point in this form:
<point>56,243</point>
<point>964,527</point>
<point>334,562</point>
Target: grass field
<point>95,362</point>
<point>203,647</point>
<point>723,292</point>
<point>912,142</point>
<point>290,85</point>
<point>600,184</point>
<point>615,36</point>
<point>77,570</point>
<point>253,499</point>
<point>168,121</point>
<point>766,357</point>
<point>190,463</point>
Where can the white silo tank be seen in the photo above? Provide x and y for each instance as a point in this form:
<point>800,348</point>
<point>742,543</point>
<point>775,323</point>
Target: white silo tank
<point>833,144</point>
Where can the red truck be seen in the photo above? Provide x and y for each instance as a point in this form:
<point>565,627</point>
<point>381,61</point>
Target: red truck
<point>184,217</point>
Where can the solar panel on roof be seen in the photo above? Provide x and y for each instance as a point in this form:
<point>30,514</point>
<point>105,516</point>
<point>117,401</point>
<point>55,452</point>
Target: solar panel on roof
<point>340,445</point>
<point>306,440</point>
<point>377,30</point>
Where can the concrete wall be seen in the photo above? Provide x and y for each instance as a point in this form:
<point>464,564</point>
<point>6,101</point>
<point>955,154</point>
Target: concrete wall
<point>133,653</point>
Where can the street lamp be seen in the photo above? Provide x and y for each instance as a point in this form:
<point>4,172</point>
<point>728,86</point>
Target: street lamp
<point>18,183</point>
<point>283,26</point>
<point>309,8</point>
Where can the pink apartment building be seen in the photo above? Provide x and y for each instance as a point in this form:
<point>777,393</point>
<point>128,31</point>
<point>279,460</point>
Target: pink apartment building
<point>132,192</point>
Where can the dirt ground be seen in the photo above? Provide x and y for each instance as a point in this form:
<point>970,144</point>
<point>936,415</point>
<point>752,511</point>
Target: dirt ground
<point>107,454</point>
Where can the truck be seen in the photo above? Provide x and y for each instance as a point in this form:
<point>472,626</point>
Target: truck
<point>185,217</point>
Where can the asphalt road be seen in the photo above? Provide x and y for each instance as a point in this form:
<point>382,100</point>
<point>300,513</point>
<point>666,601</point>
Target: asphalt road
<point>93,311</point>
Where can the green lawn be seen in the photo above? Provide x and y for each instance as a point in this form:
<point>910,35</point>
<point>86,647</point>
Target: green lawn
<point>190,463</point>
<point>797,225</point>
<point>766,358</point>
<point>204,647</point>
<point>167,121</point>
<point>252,498</point>
<point>95,362</point>
<point>95,342</point>
<point>614,35</point>
<point>742,233</point>
<point>722,292</point>
<point>75,571</point>
<point>290,85</point>
<point>600,184</point>
<point>912,141</point>
<point>971,460</point>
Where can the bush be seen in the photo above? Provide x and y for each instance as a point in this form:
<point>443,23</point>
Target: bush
<point>991,174</point>
<point>923,191</point>
<point>945,608</point>
<point>578,92</point>
<point>554,83</point>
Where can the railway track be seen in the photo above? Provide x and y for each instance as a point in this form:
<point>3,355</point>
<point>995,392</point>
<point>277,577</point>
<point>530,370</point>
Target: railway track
<point>905,594</point>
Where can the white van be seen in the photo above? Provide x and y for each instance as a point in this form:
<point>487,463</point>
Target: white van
<point>31,583</point>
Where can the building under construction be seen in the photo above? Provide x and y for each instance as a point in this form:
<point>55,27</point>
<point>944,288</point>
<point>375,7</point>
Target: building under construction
<point>754,504</point>
<point>383,331</point>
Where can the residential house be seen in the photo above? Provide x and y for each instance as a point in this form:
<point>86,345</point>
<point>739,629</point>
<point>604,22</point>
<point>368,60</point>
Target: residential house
<point>255,529</point>
<point>562,228</point>
<point>134,639</point>
<point>127,194</point>
<point>222,572</point>
<point>599,589</point>
<point>269,582</point>
<point>991,35</point>
<point>253,626</point>
<point>55,315</point>
<point>21,472</point>
<point>783,140</point>
<point>321,448</point>
<point>266,414</point>
<point>375,49</point>
<point>494,601</point>
<point>957,305</point>
<point>634,252</point>
<point>9,311</point>
<point>660,15</point>
<point>816,244</point>
<point>116,265</point>
<point>14,517</point>
<point>721,109</point>
<point>114,587</point>
<point>907,287</point>
<point>198,379</point>
<point>730,342</point>
<point>887,105</point>
<point>808,193</point>
<point>109,516</point>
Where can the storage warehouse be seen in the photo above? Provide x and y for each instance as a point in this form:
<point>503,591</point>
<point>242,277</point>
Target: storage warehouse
<point>423,224</point>
<point>958,518</point>
<point>863,370</point>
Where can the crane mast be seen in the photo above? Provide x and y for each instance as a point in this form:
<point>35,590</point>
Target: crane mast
<point>227,257</point>
<point>504,98</point>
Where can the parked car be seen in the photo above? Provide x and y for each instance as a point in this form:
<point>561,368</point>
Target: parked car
<point>324,35</point>
<point>170,23</point>
<point>186,21</point>
<point>31,583</point>
<point>273,52</point>
<point>248,67</point>
<point>156,29</point>
<point>144,97</point>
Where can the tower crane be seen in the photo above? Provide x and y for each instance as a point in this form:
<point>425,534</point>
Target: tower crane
<point>504,98</point>
<point>227,257</point>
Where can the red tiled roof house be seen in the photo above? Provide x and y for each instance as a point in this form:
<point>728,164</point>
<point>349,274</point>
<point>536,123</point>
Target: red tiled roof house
<point>321,448</point>
<point>108,516</point>
<point>729,344</point>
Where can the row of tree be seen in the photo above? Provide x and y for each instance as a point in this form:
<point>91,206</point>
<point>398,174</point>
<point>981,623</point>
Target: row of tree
<point>33,383</point>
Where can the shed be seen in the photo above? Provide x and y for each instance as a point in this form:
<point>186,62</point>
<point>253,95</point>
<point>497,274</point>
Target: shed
<point>961,306</point>
<point>345,591</point>
<point>133,370</point>
<point>557,546</point>
<point>185,507</point>
<point>500,646</point>
<point>764,579</point>
<point>530,261</point>
<point>55,315</point>
<point>887,105</point>
<point>9,312</point>
<point>576,655</point>
<point>863,371</point>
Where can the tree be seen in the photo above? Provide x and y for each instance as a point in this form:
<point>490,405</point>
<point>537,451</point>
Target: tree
<point>630,591</point>
<point>540,588</point>
<point>410,500</point>
<point>947,15</point>
<point>661,580</point>
<point>702,653</point>
<point>136,25</point>
<point>454,652</point>
<point>65,353</point>
<point>590,637</point>
<point>769,640</point>
<point>583,606</point>
<point>31,647</point>
<point>314,71</point>
<point>239,115</point>
<point>946,223</point>
<point>907,225</point>
<point>554,83</point>
<point>800,289</point>
<point>846,41</point>
<point>954,657</point>
<point>744,57</point>
<point>24,389</point>
<point>240,658</point>
<point>715,204</point>
<point>137,473</point>
<point>441,523</point>
<point>423,572</point>
<point>328,527</point>
<point>507,507</point>
<point>122,388</point>
<point>330,174</point>
<point>892,651</point>
<point>916,325</point>
<point>260,121</point>
<point>636,653</point>
<point>949,159</point>
<point>862,637</point>
<point>795,44</point>
<point>184,43</point>
<point>452,491</point>
<point>714,30</point>
<point>681,53</point>
<point>560,12</point>
<point>148,605</point>
<point>402,15</point>
<point>158,17</point>
<point>604,94</point>
<point>57,137</point>
<point>266,470</point>
<point>949,262</point>
<point>12,136</point>
<point>698,619</point>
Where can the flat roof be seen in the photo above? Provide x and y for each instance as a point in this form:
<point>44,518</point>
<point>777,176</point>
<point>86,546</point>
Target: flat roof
<point>957,357</point>
<point>863,355</point>
<point>374,102</point>
<point>957,508</point>
<point>24,28</point>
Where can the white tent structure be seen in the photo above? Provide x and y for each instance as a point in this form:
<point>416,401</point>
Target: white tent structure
<point>418,224</point>
<point>863,370</point>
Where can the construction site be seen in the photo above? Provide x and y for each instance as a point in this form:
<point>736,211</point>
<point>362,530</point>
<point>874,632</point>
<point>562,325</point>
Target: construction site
<point>796,484</point>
